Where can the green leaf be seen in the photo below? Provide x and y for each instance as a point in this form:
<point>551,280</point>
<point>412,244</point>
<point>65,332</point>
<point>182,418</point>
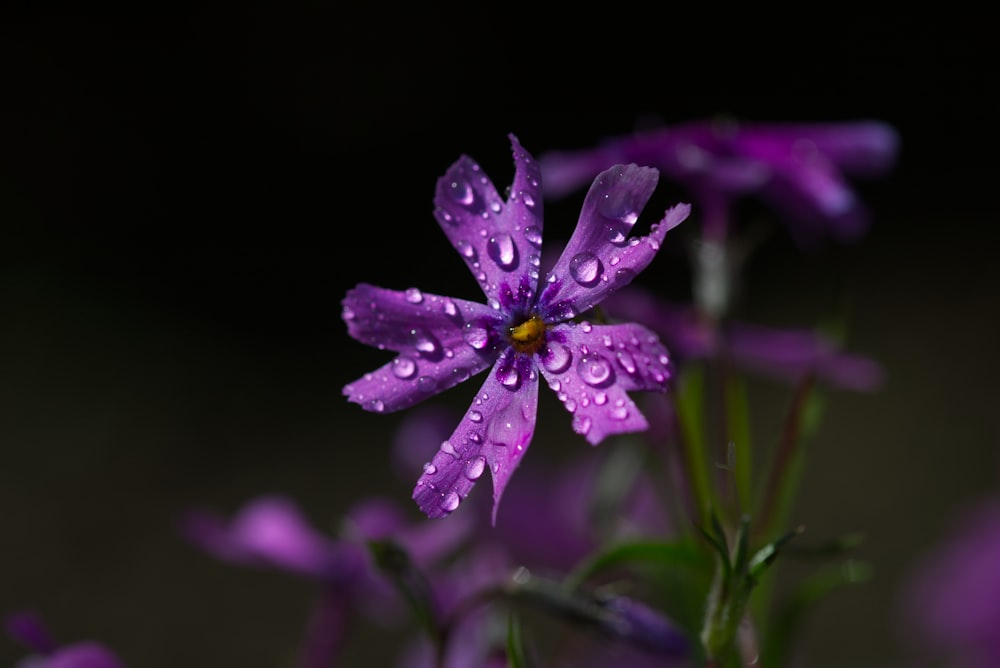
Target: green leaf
<point>738,424</point>
<point>690,404</point>
<point>516,657</point>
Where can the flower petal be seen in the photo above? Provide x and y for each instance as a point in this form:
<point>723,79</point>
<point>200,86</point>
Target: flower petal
<point>499,240</point>
<point>591,380</point>
<point>271,531</point>
<point>600,257</point>
<point>493,435</point>
<point>442,342</point>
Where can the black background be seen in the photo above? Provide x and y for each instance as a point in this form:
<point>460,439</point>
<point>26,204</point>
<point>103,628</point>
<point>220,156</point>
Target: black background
<point>186,196</point>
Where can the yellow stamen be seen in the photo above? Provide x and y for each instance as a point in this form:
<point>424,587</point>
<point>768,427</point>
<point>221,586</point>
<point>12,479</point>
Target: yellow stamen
<point>529,336</point>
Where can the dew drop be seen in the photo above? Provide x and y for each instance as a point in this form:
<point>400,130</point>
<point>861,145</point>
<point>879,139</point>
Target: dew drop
<point>586,269</point>
<point>450,309</point>
<point>430,469</point>
<point>414,296</point>
<point>403,367</point>
<point>424,341</point>
<point>600,398</point>
<point>556,358</point>
<point>467,250</point>
<point>376,405</point>
<point>509,377</point>
<point>426,384</point>
<point>449,449</point>
<point>347,313</point>
<point>503,251</point>
<point>529,201</point>
<point>627,361</point>
<point>582,424</point>
<point>461,192</point>
<point>619,413</point>
<point>594,370</point>
<point>450,502</point>
<point>476,336</point>
<point>475,416</point>
<point>570,404</point>
<point>533,235</point>
<point>475,467</point>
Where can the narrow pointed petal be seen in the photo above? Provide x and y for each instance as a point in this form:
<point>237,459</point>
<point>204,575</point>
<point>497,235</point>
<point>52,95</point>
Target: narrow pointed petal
<point>601,258</point>
<point>500,240</point>
<point>494,434</point>
<point>441,341</point>
<point>591,380</point>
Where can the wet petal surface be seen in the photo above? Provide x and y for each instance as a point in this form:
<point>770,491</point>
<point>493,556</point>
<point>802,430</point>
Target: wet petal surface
<point>601,257</point>
<point>492,437</point>
<point>441,341</point>
<point>498,238</point>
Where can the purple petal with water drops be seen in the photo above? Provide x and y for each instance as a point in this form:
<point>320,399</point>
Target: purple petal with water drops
<point>494,434</point>
<point>500,240</point>
<point>590,382</point>
<point>600,257</point>
<point>270,531</point>
<point>441,341</point>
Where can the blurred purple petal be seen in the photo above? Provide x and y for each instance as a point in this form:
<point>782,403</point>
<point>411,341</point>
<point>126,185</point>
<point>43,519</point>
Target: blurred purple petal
<point>271,531</point>
<point>27,628</point>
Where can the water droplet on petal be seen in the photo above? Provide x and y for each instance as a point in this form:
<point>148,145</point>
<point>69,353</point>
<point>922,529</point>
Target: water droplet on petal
<point>586,269</point>
<point>529,201</point>
<point>414,296</point>
<point>475,467</point>
<point>476,336</point>
<point>600,398</point>
<point>619,413</point>
<point>475,416</point>
<point>503,251</point>
<point>426,384</point>
<point>449,449</point>
<point>509,377</point>
<point>403,367</point>
<point>466,250</point>
<point>582,424</point>
<point>450,502</point>
<point>424,341</point>
<point>556,358</point>
<point>450,309</point>
<point>595,370</point>
<point>430,469</point>
<point>376,405</point>
<point>626,360</point>
<point>347,313</point>
<point>533,235</point>
<point>461,192</point>
<point>570,404</point>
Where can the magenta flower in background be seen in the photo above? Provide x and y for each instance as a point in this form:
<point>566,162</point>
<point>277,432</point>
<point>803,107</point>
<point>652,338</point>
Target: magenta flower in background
<point>950,607</point>
<point>27,628</point>
<point>799,170</point>
<point>787,355</point>
<point>527,328</point>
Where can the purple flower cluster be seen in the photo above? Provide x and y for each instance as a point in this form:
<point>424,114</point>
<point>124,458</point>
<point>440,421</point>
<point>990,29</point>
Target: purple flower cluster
<point>529,328</point>
<point>798,170</point>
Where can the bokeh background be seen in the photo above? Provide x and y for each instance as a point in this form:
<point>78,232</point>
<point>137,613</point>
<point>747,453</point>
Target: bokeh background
<point>186,195</point>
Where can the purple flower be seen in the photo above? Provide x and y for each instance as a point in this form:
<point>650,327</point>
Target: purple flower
<point>523,330</point>
<point>797,169</point>
<point>783,354</point>
<point>27,628</point>
<point>952,597</point>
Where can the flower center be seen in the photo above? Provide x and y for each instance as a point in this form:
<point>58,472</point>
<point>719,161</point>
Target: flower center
<point>529,336</point>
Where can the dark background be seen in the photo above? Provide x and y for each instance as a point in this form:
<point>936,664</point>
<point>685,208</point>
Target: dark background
<point>185,197</point>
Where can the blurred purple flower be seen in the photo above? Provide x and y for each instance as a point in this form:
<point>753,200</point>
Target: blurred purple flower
<point>27,628</point>
<point>786,355</point>
<point>521,332</point>
<point>272,532</point>
<point>797,169</point>
<point>952,597</point>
